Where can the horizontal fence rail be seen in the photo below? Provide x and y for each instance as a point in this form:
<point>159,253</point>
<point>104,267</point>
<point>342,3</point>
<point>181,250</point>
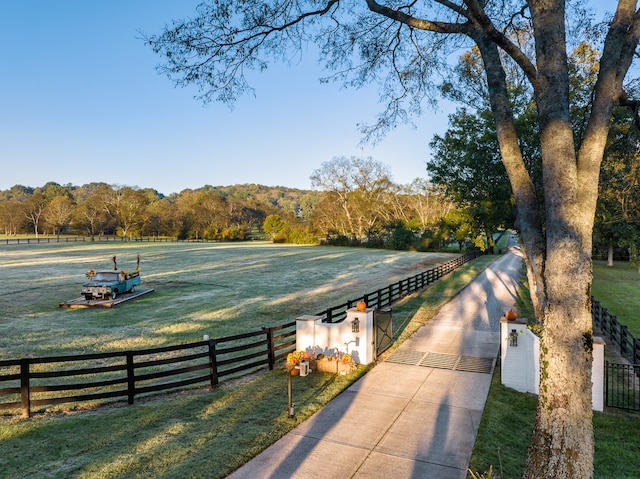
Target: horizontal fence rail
<point>30,383</point>
<point>608,324</point>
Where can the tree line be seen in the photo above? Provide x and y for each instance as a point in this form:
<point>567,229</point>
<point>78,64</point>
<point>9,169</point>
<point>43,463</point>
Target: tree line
<point>354,202</point>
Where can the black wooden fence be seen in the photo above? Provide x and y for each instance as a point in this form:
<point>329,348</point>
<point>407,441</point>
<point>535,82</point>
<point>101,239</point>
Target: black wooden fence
<point>608,324</point>
<point>34,382</point>
<point>29,383</point>
<point>386,296</point>
<point>101,238</point>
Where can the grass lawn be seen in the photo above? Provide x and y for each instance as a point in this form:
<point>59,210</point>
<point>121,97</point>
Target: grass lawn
<point>195,433</point>
<point>505,432</point>
<point>617,287</point>
<point>211,288</point>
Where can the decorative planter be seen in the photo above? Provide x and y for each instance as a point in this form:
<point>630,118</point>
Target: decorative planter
<point>333,366</point>
<point>324,365</point>
<point>294,372</point>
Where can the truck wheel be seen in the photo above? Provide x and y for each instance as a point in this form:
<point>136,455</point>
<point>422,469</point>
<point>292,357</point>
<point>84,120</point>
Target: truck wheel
<point>88,297</point>
<point>133,289</point>
<point>114,293</point>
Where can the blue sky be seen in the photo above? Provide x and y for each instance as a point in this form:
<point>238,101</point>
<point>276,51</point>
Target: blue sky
<point>80,101</point>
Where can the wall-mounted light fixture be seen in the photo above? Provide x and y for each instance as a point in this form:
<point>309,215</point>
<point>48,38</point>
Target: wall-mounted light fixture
<point>355,326</point>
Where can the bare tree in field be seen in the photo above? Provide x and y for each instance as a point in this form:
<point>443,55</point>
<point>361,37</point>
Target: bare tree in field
<point>58,213</point>
<point>402,46</point>
<point>359,188</point>
<point>34,208</point>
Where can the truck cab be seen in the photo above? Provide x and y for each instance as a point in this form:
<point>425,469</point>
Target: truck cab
<point>109,284</point>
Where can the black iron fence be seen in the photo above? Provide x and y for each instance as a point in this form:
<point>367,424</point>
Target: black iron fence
<point>30,383</point>
<point>622,386</point>
<point>622,381</point>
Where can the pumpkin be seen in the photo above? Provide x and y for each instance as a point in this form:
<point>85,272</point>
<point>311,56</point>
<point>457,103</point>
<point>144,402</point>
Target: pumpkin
<point>510,315</point>
<point>361,306</point>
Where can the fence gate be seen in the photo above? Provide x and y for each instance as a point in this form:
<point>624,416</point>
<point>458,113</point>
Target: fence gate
<point>383,325</point>
<point>622,386</point>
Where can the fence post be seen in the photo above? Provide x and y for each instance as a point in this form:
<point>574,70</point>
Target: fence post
<point>131,379</point>
<point>624,348</point>
<point>213,363</point>
<point>25,400</point>
<point>272,347</point>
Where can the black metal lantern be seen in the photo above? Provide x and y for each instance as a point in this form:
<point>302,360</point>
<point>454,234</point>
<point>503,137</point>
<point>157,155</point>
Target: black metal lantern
<point>355,326</point>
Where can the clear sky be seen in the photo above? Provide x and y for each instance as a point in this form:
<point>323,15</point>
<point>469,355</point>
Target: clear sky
<point>80,102</point>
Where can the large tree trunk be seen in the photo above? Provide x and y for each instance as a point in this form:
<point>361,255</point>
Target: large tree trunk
<point>562,443</point>
<point>558,255</point>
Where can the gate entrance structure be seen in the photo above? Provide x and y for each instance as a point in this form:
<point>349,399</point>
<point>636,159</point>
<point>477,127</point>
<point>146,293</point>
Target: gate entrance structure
<point>383,330</point>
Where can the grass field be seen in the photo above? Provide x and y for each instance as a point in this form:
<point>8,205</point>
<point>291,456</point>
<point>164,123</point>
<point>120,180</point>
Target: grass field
<point>200,433</point>
<point>617,287</point>
<point>214,289</point>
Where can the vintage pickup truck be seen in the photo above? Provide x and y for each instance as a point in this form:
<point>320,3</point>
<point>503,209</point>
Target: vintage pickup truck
<point>109,284</point>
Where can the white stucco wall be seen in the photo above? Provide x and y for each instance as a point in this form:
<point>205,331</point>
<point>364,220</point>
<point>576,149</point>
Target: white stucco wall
<point>520,365</point>
<point>314,336</point>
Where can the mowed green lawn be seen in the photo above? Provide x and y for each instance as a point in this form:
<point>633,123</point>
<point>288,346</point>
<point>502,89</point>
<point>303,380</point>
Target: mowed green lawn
<point>617,287</point>
<point>217,289</point>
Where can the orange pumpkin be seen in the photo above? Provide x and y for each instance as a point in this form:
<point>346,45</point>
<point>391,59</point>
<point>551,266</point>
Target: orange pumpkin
<point>510,315</point>
<point>361,306</point>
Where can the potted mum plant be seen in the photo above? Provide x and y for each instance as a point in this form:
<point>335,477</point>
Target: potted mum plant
<point>346,364</point>
<point>293,360</point>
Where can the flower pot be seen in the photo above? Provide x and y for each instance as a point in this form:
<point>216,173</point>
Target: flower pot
<point>295,372</point>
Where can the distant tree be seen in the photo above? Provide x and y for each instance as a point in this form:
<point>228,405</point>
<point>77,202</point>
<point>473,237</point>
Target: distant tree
<point>360,186</point>
<point>51,190</point>
<point>91,214</point>
<point>126,205</point>
<point>424,204</point>
<point>12,216</point>
<point>34,209</point>
<point>466,164</point>
<point>58,213</point>
<point>459,226</point>
<point>274,225</point>
<point>17,193</point>
<point>160,218</point>
<point>617,221</point>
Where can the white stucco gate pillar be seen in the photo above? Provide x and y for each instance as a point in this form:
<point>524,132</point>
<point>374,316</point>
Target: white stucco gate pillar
<point>354,335</point>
